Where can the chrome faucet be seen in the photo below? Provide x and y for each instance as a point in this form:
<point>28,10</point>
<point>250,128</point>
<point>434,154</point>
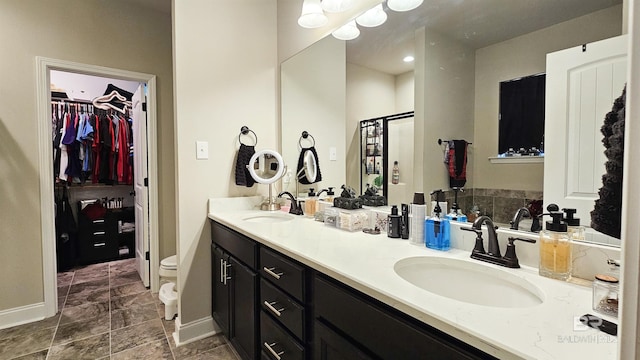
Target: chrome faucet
<point>522,212</point>
<point>295,208</point>
<point>493,256</point>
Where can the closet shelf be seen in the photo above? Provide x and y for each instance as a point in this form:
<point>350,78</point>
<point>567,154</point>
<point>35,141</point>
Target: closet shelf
<point>94,186</point>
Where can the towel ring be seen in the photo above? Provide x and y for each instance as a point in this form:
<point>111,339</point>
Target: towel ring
<point>245,131</point>
<point>305,135</point>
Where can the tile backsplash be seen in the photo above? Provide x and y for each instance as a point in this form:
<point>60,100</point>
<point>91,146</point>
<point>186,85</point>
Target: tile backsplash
<point>499,204</point>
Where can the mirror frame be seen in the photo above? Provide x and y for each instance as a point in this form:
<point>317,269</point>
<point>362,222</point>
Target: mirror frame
<point>260,179</point>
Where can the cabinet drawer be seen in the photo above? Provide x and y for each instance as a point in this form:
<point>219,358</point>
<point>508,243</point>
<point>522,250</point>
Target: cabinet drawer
<point>283,308</point>
<point>276,343</point>
<point>362,319</point>
<point>97,247</point>
<point>239,246</point>
<point>282,272</point>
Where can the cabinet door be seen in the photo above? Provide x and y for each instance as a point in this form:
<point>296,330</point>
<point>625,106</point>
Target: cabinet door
<point>331,346</point>
<point>220,289</point>
<point>244,323</point>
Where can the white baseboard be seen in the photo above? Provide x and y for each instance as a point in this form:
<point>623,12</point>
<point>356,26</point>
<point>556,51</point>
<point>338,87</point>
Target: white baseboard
<point>195,330</point>
<point>22,315</point>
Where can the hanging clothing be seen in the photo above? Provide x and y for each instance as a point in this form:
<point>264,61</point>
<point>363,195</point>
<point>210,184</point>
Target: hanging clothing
<point>457,163</point>
<point>94,147</point>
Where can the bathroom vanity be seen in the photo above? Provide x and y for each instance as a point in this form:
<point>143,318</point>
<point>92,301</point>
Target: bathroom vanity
<point>287,287</point>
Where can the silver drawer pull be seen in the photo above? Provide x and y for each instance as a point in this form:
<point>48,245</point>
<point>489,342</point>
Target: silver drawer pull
<point>99,233</point>
<point>270,306</point>
<point>272,271</point>
<point>222,275</point>
<point>99,221</point>
<point>273,352</point>
<point>99,244</point>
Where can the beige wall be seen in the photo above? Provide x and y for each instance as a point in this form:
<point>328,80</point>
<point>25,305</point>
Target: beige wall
<point>138,40</point>
<point>405,89</point>
<point>225,64</point>
<point>521,56</point>
<point>370,94</point>
<point>444,77</point>
<point>313,99</point>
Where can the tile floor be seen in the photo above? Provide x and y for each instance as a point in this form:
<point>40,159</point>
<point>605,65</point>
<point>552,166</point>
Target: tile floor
<point>105,313</point>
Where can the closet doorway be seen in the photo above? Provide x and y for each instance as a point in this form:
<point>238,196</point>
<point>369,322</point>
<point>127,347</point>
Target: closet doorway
<point>143,178</point>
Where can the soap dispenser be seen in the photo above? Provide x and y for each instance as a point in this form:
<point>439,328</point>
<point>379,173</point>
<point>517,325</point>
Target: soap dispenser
<point>395,223</point>
<point>310,203</point>
<point>555,249</point>
<point>575,230</point>
<point>436,228</point>
<point>456,214</point>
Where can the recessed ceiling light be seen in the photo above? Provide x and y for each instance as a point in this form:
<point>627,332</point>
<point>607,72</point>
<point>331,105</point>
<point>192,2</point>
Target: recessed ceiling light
<point>408,58</point>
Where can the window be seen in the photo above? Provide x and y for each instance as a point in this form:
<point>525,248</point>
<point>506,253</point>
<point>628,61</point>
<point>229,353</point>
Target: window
<point>521,118</point>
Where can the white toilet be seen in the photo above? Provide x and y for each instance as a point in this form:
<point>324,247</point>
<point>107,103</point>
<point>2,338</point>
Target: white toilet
<point>168,293</point>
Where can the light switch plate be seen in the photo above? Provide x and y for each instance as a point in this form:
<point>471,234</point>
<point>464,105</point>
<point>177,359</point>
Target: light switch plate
<point>333,154</point>
<point>202,150</point>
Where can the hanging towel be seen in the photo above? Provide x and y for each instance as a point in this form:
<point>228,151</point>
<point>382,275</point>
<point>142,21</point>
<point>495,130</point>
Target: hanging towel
<point>302,178</point>
<point>457,165</point>
<point>243,177</point>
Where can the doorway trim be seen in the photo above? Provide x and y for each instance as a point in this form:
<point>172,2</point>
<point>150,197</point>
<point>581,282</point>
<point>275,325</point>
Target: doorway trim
<point>47,217</point>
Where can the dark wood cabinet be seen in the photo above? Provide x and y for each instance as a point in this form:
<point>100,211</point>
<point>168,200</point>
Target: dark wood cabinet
<point>329,345</point>
<point>273,307</point>
<point>221,294</point>
<point>100,238</point>
<point>380,329</point>
<point>235,289</point>
<point>244,309</point>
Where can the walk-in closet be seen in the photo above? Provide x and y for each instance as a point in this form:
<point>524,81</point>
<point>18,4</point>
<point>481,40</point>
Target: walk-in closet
<point>92,131</point>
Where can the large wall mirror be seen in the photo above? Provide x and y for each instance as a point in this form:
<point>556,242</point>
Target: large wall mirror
<point>462,52</point>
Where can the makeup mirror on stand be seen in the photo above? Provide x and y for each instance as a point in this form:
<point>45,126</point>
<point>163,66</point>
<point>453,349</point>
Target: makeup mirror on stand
<point>267,167</point>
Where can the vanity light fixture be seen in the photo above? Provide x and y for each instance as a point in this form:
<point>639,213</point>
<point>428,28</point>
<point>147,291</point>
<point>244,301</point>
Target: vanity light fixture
<point>372,17</point>
<point>403,5</point>
<point>312,15</point>
<point>336,6</point>
<point>348,31</point>
<point>408,58</point>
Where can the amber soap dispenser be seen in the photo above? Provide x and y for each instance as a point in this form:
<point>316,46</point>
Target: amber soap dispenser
<point>555,249</point>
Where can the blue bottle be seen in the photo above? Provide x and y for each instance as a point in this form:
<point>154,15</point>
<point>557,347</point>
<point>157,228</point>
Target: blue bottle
<point>436,229</point>
<point>456,214</point>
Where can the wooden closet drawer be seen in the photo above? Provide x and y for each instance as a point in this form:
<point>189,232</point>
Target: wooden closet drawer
<point>283,308</point>
<point>282,272</point>
<point>96,247</point>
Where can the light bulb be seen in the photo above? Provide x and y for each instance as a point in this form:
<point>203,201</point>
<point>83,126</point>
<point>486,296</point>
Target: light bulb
<point>403,5</point>
<point>312,15</point>
<point>348,31</point>
<point>372,17</point>
<point>336,6</point>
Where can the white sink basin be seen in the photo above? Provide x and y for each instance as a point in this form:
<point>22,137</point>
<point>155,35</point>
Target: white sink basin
<point>469,282</point>
<point>269,218</point>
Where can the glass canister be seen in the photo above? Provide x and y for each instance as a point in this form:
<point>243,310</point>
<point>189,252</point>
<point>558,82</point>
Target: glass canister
<point>605,294</point>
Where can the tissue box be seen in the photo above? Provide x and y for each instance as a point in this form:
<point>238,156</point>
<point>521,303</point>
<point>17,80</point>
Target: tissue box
<point>331,216</point>
<point>379,218</point>
<point>352,220</point>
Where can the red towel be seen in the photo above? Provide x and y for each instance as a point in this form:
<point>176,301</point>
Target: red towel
<point>457,163</point>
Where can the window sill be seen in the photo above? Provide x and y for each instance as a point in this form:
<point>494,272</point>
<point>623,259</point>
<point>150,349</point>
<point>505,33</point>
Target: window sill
<point>516,160</point>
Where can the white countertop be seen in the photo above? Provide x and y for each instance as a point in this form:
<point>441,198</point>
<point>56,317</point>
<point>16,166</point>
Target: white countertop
<point>366,263</point>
